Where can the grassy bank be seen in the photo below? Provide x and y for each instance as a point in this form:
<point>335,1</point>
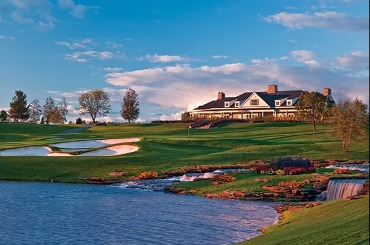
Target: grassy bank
<point>334,222</point>
<point>167,147</point>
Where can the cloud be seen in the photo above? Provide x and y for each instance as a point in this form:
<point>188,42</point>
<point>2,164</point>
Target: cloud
<point>165,58</point>
<point>171,117</point>
<point>357,60</point>
<point>36,13</point>
<point>2,37</point>
<point>306,57</point>
<point>181,87</point>
<point>86,51</point>
<point>70,45</point>
<point>219,57</point>
<point>76,10</point>
<point>331,20</point>
<point>113,69</point>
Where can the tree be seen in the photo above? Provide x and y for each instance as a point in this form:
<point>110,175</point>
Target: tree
<point>19,109</point>
<point>312,107</point>
<point>3,115</point>
<point>349,121</point>
<point>35,111</point>
<point>63,108</point>
<point>48,108</point>
<point>185,116</point>
<point>130,106</point>
<point>93,103</point>
<point>55,113</point>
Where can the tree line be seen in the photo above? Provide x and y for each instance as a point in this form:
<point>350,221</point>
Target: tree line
<point>92,103</point>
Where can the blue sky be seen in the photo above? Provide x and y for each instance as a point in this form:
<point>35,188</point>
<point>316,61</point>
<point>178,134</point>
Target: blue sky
<point>178,54</point>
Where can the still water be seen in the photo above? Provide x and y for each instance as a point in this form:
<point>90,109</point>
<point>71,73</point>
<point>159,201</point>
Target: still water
<point>53,213</point>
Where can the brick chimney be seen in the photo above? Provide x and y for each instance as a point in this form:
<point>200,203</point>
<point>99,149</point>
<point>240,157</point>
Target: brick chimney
<point>220,96</point>
<point>272,88</point>
<point>326,91</point>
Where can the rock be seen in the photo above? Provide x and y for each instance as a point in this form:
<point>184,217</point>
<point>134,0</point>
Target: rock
<point>116,173</point>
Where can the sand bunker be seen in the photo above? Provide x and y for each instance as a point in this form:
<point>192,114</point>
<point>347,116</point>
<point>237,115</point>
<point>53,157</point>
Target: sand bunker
<point>77,146</point>
<point>86,144</point>
<point>112,151</point>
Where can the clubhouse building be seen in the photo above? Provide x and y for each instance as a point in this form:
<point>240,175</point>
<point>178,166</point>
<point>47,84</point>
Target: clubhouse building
<point>270,103</point>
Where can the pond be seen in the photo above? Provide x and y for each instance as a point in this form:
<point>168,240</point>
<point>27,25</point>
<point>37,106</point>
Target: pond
<point>54,213</point>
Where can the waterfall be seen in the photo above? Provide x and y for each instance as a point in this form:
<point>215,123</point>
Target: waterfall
<point>343,188</point>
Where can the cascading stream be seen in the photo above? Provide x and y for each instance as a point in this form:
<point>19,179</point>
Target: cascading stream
<point>343,188</point>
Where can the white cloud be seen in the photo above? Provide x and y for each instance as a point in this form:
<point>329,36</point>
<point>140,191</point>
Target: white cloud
<point>219,57</point>
<point>332,20</point>
<point>305,56</point>
<point>183,87</point>
<point>85,56</point>
<point>76,10</point>
<point>165,58</point>
<point>171,117</point>
<point>2,37</point>
<point>113,69</point>
<point>71,45</point>
<point>357,60</point>
<point>36,13</point>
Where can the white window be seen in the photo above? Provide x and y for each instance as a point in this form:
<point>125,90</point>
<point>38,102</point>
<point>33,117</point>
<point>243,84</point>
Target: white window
<point>277,102</point>
<point>289,102</point>
<point>237,104</point>
<point>227,104</point>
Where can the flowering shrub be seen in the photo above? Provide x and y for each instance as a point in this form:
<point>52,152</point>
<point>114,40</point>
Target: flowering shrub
<point>342,171</point>
<point>224,178</point>
<point>287,166</point>
<point>148,175</point>
<point>291,184</point>
<point>280,172</point>
<point>299,170</point>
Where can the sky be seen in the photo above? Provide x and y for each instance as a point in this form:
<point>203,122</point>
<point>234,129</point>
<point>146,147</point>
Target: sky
<point>178,54</point>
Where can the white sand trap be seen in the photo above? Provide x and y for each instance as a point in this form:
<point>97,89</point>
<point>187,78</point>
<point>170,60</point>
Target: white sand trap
<point>77,146</point>
<point>93,143</point>
<point>119,141</point>
<point>27,151</point>
<point>56,154</point>
<point>112,151</point>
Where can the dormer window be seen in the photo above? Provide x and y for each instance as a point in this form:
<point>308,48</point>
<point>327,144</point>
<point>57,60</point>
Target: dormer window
<point>255,102</point>
<point>227,104</point>
<point>289,102</point>
<point>277,102</point>
<point>237,104</point>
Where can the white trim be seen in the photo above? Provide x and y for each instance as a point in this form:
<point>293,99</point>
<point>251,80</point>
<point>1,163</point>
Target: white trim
<point>277,102</point>
<point>237,103</point>
<point>227,104</point>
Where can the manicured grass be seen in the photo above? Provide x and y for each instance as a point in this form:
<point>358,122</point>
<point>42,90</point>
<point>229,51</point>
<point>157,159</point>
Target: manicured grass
<point>334,222</point>
<point>167,147</point>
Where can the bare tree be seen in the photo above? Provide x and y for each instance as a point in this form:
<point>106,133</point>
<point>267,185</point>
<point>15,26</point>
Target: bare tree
<point>130,106</point>
<point>93,103</point>
<point>54,113</point>
<point>35,111</point>
<point>349,121</point>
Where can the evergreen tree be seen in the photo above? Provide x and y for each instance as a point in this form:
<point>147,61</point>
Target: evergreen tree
<point>63,110</point>
<point>35,111</point>
<point>130,106</point>
<point>19,109</point>
<point>3,115</point>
